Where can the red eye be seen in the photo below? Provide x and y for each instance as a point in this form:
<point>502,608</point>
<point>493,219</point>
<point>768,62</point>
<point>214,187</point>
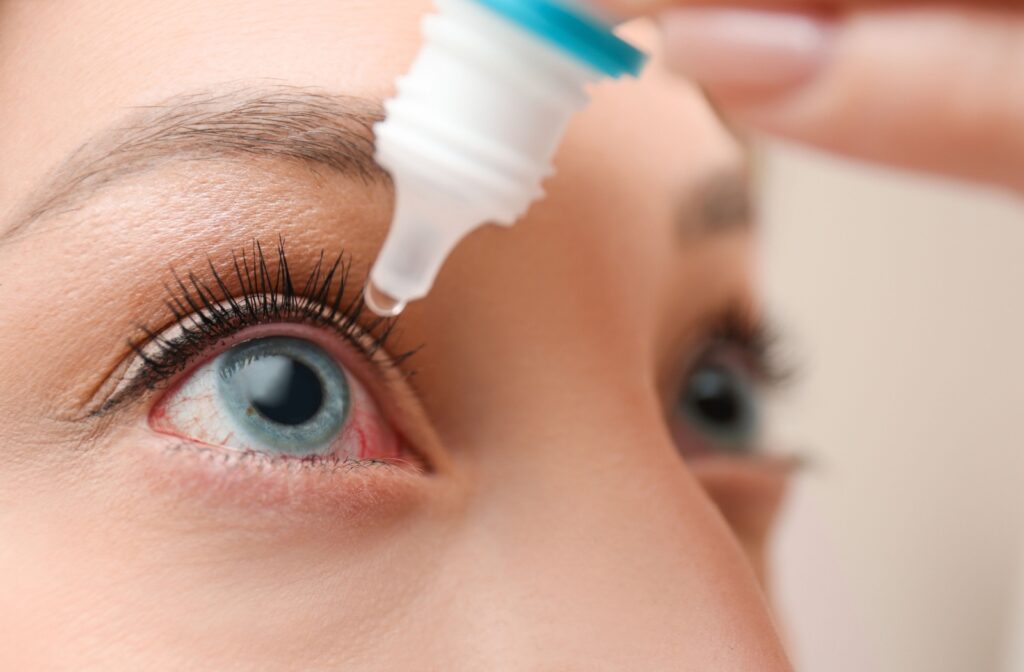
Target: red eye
<point>281,396</point>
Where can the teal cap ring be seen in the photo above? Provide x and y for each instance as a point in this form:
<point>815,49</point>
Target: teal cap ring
<point>584,38</point>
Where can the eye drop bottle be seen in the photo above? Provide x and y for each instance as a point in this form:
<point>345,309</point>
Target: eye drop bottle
<point>472,131</point>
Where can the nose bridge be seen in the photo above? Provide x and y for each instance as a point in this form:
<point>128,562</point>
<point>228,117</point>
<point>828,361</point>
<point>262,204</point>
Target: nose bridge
<point>589,546</point>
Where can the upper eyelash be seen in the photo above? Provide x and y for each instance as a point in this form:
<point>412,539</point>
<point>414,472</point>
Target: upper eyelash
<point>208,311</point>
<point>758,341</point>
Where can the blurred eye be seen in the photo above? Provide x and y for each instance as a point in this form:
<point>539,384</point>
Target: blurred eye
<point>718,410</point>
<point>279,396</point>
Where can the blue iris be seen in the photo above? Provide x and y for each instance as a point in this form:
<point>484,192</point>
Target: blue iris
<point>722,405</point>
<point>284,394</point>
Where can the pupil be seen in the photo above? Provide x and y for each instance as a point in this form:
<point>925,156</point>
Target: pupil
<point>282,390</point>
<point>714,398</point>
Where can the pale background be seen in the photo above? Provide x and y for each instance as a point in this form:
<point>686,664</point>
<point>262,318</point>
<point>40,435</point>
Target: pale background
<point>903,547</point>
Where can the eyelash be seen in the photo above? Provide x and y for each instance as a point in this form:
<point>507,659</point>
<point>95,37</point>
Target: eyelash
<point>209,312</point>
<point>756,341</point>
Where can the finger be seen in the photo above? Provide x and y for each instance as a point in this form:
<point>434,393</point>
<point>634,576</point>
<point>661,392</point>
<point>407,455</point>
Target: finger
<point>628,8</point>
<point>931,88</point>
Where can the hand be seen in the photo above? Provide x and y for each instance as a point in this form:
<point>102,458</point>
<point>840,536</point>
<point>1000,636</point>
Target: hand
<point>932,87</point>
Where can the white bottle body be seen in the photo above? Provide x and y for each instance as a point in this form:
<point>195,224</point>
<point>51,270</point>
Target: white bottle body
<point>469,138</point>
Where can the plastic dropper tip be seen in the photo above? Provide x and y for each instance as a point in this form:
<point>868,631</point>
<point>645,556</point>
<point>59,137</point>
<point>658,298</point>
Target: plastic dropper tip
<point>381,302</point>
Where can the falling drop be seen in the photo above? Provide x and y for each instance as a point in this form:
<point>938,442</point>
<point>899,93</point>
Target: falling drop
<point>382,303</point>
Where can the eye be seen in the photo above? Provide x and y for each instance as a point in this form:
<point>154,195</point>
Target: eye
<point>717,409</point>
<point>280,396</point>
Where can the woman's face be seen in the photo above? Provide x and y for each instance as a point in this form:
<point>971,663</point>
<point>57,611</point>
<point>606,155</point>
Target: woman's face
<point>215,460</point>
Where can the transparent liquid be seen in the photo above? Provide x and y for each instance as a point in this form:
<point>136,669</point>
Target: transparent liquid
<point>381,302</point>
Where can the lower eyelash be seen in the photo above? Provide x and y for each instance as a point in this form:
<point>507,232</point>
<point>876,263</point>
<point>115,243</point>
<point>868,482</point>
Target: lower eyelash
<point>257,484</point>
<point>257,461</point>
<point>209,311</point>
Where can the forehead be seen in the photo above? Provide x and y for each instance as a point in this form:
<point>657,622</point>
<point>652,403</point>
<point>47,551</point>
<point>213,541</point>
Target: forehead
<point>74,67</point>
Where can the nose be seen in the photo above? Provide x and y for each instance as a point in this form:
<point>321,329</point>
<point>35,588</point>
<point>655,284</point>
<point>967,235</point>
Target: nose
<point>587,545</point>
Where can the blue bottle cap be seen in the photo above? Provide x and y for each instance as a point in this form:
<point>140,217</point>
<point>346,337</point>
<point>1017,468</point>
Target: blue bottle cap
<point>579,35</point>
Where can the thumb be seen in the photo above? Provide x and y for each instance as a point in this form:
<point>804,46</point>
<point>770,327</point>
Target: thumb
<point>938,89</point>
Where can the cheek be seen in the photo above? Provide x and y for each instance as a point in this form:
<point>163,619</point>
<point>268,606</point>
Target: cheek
<point>749,492</point>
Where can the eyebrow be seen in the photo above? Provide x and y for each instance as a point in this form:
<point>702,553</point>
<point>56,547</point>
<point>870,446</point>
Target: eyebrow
<point>292,123</point>
<point>306,125</point>
<point>720,203</point>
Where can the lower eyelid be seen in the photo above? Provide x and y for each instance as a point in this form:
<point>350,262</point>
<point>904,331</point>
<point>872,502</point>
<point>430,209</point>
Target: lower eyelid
<point>247,490</point>
<point>196,486</point>
<point>748,490</point>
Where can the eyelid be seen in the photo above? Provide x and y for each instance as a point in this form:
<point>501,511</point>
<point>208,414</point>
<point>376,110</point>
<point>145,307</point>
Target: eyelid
<point>149,370</point>
<point>260,297</point>
<point>735,336</point>
<point>254,293</point>
<point>388,388</point>
<point>207,308</point>
<point>737,333</point>
<point>753,339</point>
<point>369,430</point>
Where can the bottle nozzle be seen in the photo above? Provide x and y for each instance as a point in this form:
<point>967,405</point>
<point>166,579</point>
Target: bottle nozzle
<point>472,132</point>
<point>422,235</point>
<point>382,303</point>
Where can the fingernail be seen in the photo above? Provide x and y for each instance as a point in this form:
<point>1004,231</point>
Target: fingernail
<point>740,49</point>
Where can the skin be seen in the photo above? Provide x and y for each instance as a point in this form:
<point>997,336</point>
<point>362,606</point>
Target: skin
<point>934,87</point>
<point>557,526</point>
